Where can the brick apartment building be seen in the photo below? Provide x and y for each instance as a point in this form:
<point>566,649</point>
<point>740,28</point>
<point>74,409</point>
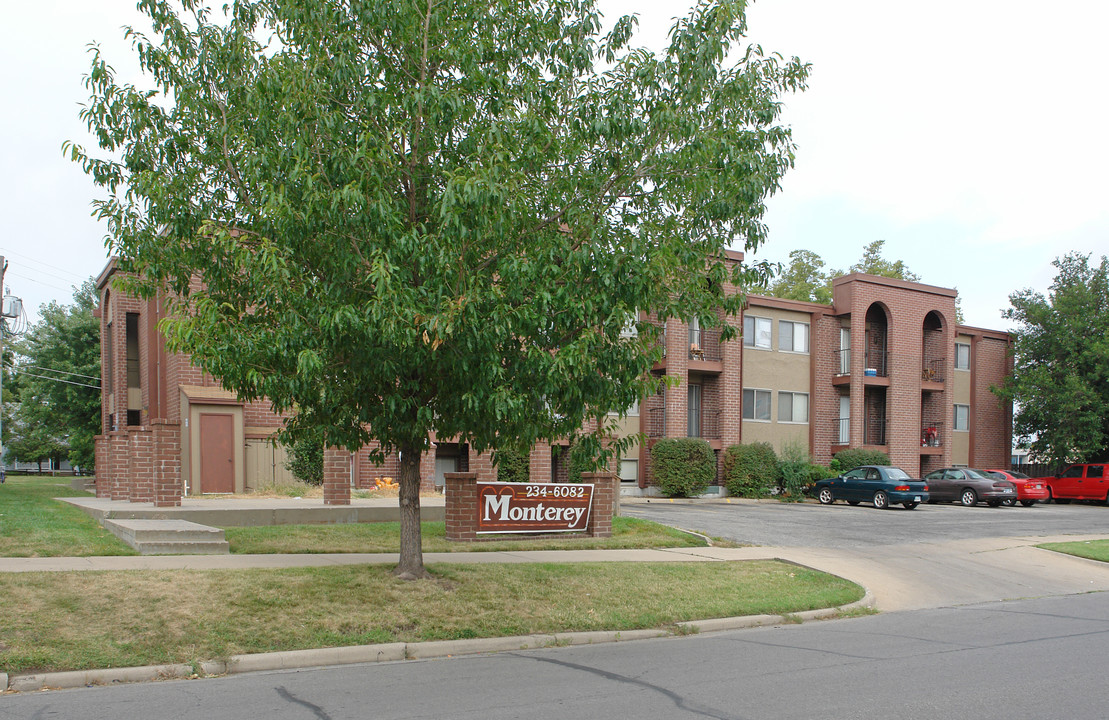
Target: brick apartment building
<point>884,366</point>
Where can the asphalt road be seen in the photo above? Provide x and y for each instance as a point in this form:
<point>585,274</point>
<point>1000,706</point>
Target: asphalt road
<point>843,526</point>
<point>1029,659</point>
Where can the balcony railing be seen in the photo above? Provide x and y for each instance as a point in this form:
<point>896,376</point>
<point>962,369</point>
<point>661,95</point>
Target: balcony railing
<point>877,364</point>
<point>843,431</point>
<point>875,431</point>
<point>932,371</point>
<point>710,426</point>
<point>704,345</point>
<point>843,361</point>
<point>931,434</point>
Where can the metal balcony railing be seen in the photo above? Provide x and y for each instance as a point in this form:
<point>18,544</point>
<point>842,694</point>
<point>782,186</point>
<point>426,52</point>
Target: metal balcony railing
<point>843,361</point>
<point>705,345</point>
<point>931,434</point>
<point>877,364</point>
<point>842,430</point>
<point>932,371</point>
<point>875,431</point>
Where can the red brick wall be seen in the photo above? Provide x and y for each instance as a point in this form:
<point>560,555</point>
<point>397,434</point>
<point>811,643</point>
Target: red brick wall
<point>991,419</point>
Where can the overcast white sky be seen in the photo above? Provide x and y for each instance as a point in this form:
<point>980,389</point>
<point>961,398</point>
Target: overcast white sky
<point>970,135</point>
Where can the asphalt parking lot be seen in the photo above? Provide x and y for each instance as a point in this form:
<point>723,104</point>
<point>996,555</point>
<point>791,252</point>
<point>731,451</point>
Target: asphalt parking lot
<point>843,526</point>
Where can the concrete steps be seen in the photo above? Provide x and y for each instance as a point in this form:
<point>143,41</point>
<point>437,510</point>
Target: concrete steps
<point>168,537</point>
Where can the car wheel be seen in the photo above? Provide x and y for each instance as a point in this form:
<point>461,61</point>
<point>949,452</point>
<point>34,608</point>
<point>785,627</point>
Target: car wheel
<point>1010,502</point>
<point>910,505</point>
<point>826,497</point>
<point>881,500</point>
<point>969,498</point>
<point>852,502</point>
<point>1027,503</point>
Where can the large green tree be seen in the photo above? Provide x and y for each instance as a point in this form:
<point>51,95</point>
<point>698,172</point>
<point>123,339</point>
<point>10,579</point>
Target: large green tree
<point>436,216</point>
<point>57,369</point>
<point>1060,381</point>
<point>804,279</point>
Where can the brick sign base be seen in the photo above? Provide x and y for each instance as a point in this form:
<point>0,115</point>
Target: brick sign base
<point>462,500</point>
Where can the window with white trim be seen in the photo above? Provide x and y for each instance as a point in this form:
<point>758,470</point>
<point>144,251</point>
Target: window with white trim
<point>756,331</point>
<point>756,405</point>
<point>629,470</point>
<point>793,336</point>
<point>962,418</point>
<point>962,356</point>
<point>793,407</point>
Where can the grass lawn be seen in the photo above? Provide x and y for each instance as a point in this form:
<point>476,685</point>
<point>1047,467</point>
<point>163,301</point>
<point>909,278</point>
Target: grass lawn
<point>33,524</point>
<point>60,621</point>
<point>1092,549</point>
<point>385,537</point>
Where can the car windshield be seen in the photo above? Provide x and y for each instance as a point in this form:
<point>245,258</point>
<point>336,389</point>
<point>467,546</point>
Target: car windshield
<point>981,474</point>
<point>897,474</point>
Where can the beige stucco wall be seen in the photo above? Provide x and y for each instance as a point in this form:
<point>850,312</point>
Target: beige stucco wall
<point>777,371</point>
<point>960,394</point>
<point>625,427</point>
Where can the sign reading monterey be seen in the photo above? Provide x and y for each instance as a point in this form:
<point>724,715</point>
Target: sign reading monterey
<point>533,508</point>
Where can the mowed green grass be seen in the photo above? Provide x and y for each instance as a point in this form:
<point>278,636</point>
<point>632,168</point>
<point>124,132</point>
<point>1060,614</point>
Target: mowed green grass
<point>34,524</point>
<point>385,538</point>
<point>1092,549</point>
<point>80,620</point>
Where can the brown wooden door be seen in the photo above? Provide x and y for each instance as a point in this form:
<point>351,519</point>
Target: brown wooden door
<point>217,460</point>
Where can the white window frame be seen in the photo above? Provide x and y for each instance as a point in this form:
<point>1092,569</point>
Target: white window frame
<point>751,339</point>
<point>791,332</point>
<point>966,365</point>
<point>794,399</point>
<point>755,404</point>
<point>966,418</point>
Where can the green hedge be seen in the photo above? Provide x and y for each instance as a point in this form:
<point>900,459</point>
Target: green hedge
<point>513,466</point>
<point>854,457</point>
<point>750,469</point>
<point>683,467</point>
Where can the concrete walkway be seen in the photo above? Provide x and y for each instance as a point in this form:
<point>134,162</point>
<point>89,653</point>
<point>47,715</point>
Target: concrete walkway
<point>900,577</point>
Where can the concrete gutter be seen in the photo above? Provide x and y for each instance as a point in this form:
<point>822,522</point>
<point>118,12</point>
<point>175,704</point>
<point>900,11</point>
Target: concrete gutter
<point>395,652</point>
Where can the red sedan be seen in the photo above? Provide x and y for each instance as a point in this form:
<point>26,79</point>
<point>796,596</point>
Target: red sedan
<point>1029,490</point>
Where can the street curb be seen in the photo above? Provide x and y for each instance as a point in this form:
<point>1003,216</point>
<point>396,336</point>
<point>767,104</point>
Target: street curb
<point>394,652</point>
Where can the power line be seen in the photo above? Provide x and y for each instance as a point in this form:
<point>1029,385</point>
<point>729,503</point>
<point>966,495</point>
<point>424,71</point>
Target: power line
<point>61,372</point>
<point>67,382</point>
<point>44,264</point>
<point>40,282</point>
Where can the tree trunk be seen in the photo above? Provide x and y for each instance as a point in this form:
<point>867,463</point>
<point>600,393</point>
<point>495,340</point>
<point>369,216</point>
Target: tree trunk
<point>411,565</point>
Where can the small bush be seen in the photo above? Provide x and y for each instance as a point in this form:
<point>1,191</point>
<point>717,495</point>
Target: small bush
<point>684,467</point>
<point>854,457</point>
<point>513,466</point>
<point>793,471</point>
<point>750,469</point>
<point>305,461</point>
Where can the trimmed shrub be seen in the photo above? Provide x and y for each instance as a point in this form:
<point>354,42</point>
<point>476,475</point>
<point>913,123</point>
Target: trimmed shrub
<point>305,461</point>
<point>854,457</point>
<point>683,467</point>
<point>513,466</point>
<point>750,470</point>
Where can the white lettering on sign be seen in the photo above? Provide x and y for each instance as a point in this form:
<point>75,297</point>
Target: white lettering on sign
<point>500,507</point>
<point>533,508</point>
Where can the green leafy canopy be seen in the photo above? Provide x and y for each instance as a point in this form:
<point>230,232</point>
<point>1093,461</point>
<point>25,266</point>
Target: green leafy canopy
<point>1060,380</point>
<point>435,216</point>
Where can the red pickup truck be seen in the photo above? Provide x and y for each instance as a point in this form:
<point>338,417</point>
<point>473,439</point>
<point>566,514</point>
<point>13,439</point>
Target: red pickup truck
<point>1084,481</point>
